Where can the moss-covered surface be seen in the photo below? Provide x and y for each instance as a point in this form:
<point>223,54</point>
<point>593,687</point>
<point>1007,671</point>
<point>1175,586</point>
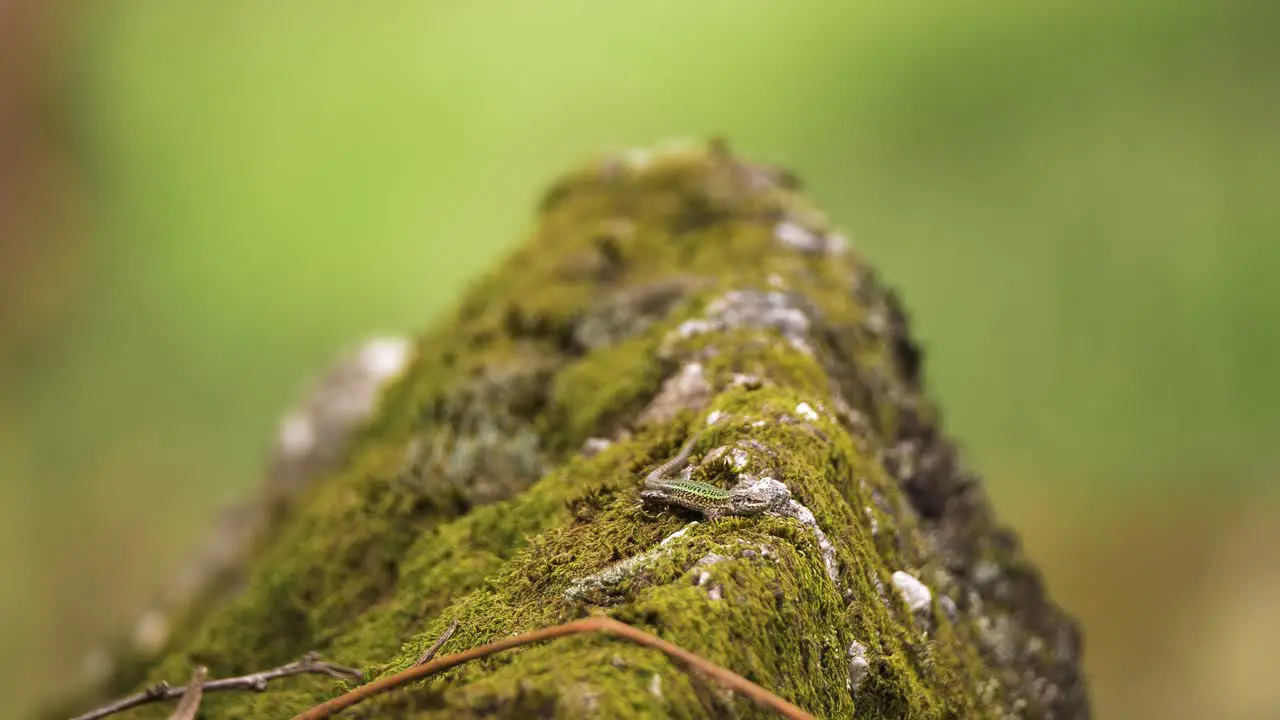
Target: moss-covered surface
<point>658,290</point>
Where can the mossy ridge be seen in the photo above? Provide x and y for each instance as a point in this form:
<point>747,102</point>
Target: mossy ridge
<point>697,215</point>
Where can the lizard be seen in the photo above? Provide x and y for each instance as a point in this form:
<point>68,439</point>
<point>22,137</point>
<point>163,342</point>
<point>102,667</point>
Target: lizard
<point>711,502</point>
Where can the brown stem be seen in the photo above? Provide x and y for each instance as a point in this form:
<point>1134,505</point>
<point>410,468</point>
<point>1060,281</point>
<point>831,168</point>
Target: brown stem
<point>603,624</point>
<point>310,664</point>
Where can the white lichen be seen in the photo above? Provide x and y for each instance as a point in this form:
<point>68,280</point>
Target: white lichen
<point>710,559</point>
<point>949,608</point>
<point>615,574</point>
<point>837,244</point>
<point>749,309</point>
<point>806,411</point>
<point>594,446</point>
<point>986,572</point>
<point>803,514</point>
<point>797,236</point>
<point>914,593</point>
<point>750,382</point>
<point>686,389</point>
<point>383,358</point>
<point>297,435</point>
<point>859,666</point>
<point>345,396</point>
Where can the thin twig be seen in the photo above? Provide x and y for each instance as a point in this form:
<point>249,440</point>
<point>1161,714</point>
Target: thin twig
<point>189,705</point>
<point>600,623</point>
<point>309,664</point>
<point>435,647</point>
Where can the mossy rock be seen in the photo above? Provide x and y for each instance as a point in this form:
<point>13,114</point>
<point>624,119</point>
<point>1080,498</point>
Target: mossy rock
<point>495,483</point>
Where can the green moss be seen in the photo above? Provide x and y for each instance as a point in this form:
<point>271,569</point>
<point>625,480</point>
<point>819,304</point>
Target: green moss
<point>594,394</point>
<point>571,339</point>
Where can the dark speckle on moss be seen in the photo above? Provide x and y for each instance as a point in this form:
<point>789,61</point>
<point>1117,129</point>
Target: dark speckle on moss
<point>497,486</point>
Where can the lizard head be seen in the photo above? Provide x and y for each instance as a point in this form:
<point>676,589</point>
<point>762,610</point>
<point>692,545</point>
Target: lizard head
<point>760,496</point>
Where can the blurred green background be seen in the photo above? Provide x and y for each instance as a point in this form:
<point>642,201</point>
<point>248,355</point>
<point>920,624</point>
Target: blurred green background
<point>1078,200</point>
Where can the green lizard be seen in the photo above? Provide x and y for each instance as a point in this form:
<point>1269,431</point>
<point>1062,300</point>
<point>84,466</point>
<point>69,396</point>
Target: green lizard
<point>712,502</point>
